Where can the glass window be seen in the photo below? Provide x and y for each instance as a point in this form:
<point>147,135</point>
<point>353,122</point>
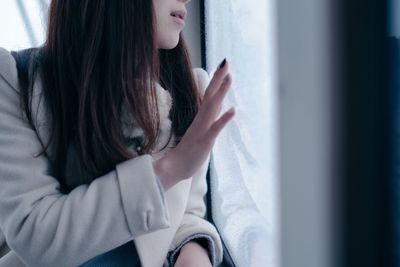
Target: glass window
<point>22,23</point>
<point>244,163</point>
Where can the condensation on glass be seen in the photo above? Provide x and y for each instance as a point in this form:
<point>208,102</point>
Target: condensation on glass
<point>244,165</point>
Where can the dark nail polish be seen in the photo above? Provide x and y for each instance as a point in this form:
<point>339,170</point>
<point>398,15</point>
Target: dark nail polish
<point>222,63</point>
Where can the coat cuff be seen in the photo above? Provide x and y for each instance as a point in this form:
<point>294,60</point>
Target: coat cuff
<point>146,210</point>
<point>204,240</point>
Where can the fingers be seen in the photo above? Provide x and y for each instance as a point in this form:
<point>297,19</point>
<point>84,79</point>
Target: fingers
<point>218,125</point>
<point>217,79</point>
<point>214,104</point>
<point>210,109</point>
<point>214,95</point>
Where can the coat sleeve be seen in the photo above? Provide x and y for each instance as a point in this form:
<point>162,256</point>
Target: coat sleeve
<point>44,227</point>
<point>193,225</point>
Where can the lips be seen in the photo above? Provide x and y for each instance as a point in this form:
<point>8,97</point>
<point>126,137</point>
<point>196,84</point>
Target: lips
<point>181,14</point>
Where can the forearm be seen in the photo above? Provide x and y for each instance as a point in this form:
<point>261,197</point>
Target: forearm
<point>193,254</point>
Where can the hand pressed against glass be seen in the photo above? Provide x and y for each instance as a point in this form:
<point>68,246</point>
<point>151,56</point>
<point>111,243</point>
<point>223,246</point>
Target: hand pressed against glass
<point>184,160</point>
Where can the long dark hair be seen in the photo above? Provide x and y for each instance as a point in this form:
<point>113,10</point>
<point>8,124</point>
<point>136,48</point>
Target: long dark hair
<point>98,56</point>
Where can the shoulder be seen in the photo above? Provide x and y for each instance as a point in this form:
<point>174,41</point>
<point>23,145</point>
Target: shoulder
<point>8,70</point>
<point>202,79</point>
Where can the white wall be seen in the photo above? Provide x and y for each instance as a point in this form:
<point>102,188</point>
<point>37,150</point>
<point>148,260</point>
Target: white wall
<point>307,130</point>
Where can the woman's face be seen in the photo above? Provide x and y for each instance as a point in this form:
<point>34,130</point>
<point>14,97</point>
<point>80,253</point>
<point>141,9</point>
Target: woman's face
<point>170,15</point>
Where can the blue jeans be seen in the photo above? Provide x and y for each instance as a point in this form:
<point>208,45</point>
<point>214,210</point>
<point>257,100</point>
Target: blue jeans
<point>123,256</point>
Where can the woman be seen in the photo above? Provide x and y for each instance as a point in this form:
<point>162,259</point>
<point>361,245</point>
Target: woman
<point>105,142</point>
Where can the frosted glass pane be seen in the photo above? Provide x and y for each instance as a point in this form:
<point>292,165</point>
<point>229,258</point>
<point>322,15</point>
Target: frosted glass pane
<point>244,160</point>
<point>22,23</point>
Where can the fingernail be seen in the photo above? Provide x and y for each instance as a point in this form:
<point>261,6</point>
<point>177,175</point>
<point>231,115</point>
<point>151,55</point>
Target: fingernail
<point>231,110</point>
<point>222,64</point>
<point>225,78</point>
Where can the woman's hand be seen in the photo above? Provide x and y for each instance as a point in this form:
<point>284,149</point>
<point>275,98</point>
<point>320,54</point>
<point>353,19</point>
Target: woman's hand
<point>184,160</point>
<point>193,255</point>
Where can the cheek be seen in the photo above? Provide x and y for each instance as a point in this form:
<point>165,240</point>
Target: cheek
<point>167,35</point>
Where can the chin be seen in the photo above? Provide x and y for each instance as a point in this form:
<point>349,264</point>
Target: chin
<point>169,44</point>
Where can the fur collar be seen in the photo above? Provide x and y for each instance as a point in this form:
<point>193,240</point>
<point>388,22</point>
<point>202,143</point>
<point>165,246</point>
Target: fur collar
<point>132,131</point>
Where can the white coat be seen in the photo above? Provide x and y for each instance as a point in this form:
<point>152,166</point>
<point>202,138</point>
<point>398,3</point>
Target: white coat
<point>40,226</point>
